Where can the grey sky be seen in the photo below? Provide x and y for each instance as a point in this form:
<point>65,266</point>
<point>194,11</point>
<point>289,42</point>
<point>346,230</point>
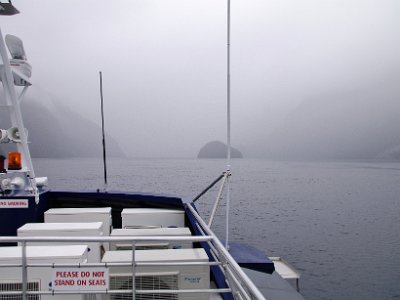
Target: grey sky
<point>163,61</point>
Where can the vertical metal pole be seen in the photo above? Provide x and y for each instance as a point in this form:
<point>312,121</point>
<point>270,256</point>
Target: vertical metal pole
<point>228,84</point>
<point>24,272</point>
<point>228,96</point>
<point>133,271</point>
<point>103,134</point>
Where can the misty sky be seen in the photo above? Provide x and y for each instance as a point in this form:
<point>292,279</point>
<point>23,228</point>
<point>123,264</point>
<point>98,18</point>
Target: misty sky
<point>164,62</point>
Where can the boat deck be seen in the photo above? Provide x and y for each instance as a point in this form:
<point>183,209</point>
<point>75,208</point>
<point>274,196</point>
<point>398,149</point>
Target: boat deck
<point>226,276</point>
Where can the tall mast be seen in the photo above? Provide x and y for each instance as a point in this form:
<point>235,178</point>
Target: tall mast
<point>103,133</point>
<point>228,113</point>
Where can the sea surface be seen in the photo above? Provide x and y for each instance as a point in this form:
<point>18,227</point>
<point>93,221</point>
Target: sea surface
<point>338,223</point>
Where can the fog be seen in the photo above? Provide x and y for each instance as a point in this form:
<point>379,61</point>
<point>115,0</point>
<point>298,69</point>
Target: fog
<point>164,63</point>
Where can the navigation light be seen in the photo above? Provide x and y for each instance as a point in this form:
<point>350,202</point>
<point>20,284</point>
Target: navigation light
<point>14,161</point>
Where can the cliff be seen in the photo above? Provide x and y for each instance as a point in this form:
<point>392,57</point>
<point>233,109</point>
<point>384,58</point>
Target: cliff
<point>58,132</point>
<point>357,124</point>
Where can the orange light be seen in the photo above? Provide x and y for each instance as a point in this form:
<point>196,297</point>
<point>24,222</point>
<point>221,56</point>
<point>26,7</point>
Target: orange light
<point>14,161</point>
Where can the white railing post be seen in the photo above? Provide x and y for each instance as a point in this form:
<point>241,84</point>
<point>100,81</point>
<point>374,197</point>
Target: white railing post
<point>24,271</point>
<point>133,271</point>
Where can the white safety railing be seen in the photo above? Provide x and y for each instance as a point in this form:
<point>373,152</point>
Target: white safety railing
<point>238,283</point>
<point>241,285</point>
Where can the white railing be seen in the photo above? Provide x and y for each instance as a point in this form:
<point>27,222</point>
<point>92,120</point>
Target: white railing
<point>241,285</point>
<point>238,283</point>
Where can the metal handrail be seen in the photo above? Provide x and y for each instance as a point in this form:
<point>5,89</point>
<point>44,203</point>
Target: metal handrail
<point>231,263</point>
<point>186,291</point>
<point>104,239</point>
<point>238,281</point>
<point>24,265</point>
<point>102,265</point>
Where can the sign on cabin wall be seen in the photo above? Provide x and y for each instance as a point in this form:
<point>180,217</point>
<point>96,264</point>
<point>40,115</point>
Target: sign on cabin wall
<point>14,203</point>
<point>80,279</point>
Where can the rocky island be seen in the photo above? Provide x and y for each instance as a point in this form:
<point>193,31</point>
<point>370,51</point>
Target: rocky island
<point>217,149</point>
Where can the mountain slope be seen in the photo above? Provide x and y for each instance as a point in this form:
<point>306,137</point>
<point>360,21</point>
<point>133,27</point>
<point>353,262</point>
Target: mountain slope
<point>349,125</point>
<point>58,132</point>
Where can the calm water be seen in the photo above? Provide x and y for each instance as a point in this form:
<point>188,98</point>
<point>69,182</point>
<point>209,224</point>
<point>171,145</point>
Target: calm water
<point>337,222</point>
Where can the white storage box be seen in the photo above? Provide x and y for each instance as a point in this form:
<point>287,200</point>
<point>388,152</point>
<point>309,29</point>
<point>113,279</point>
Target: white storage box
<point>152,218</point>
<point>39,278</point>
<point>82,214</point>
<point>65,230</point>
<point>73,215</point>
<point>181,231</point>
<point>175,277</point>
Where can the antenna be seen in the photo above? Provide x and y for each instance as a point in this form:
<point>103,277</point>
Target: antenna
<point>102,130</point>
<point>228,130</point>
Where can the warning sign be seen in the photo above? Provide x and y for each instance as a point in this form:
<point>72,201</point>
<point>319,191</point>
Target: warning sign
<point>75,279</point>
<point>14,203</point>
